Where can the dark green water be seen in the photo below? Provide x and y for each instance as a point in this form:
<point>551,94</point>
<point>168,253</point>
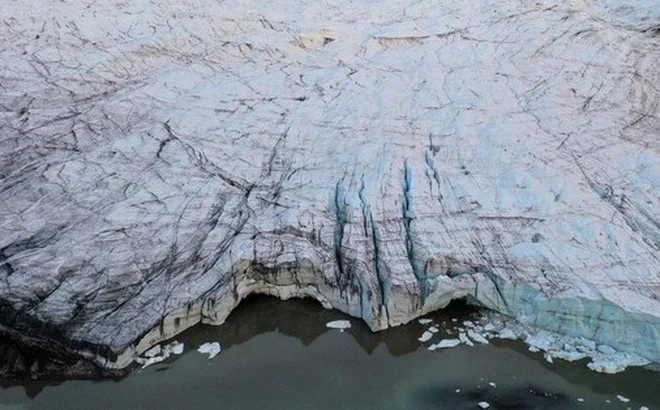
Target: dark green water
<point>280,355</point>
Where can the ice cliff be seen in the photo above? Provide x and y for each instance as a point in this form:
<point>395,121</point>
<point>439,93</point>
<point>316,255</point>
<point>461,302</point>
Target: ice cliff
<point>161,160</point>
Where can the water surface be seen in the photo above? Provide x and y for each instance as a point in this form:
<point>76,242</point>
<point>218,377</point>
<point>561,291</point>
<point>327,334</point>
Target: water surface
<point>280,355</point>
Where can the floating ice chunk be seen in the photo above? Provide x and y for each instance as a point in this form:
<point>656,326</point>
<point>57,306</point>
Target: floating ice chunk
<point>541,340</point>
<point>468,323</point>
<point>548,358</point>
<point>157,354</point>
<point>506,333</point>
<point>484,405</point>
<point>464,339</point>
<point>489,327</point>
<point>153,352</point>
<point>580,399</point>
<point>424,321</point>
<point>212,349</point>
<point>447,343</point>
<point>643,408</point>
<point>433,329</point>
<point>174,348</point>
<point>145,362</point>
<point>339,324</point>
<point>622,399</point>
<point>477,337</point>
<point>458,390</point>
<point>492,384</point>
<point>425,337</point>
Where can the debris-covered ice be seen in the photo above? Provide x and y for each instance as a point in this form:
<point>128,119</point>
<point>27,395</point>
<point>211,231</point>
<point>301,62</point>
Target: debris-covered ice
<point>558,227</point>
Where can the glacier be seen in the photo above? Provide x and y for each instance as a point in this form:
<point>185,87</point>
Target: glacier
<point>161,160</point>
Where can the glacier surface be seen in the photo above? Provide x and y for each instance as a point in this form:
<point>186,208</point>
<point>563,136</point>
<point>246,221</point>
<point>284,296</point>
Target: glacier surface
<point>161,160</point>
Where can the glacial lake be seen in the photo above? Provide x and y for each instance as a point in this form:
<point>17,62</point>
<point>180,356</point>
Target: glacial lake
<point>280,355</point>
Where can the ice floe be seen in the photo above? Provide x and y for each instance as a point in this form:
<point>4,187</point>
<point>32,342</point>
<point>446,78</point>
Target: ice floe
<point>210,348</point>
<point>445,344</point>
<point>339,324</point>
<point>464,339</point>
<point>425,337</point>
<point>622,399</point>
<point>477,337</point>
<point>159,353</point>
